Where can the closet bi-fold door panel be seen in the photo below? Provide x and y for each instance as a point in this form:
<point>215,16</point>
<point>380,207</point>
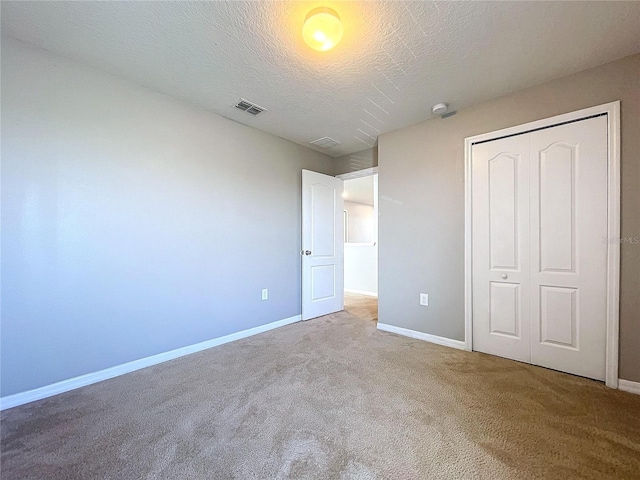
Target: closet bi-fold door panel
<point>568,254</point>
<point>500,225</point>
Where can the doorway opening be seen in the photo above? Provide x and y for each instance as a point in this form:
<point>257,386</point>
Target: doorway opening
<point>360,218</point>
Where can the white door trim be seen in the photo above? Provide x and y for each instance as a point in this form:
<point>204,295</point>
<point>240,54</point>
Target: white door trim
<point>612,110</point>
<point>359,173</point>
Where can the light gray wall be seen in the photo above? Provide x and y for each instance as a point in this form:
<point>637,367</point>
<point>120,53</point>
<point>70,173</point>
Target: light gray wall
<point>133,223</point>
<point>357,161</point>
<point>360,222</point>
<point>421,222</point>
<point>361,268</point>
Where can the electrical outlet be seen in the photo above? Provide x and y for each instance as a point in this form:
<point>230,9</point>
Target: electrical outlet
<point>424,299</point>
<point>265,293</point>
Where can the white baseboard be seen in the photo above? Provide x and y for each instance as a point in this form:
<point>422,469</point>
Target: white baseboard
<point>83,380</point>
<point>447,342</point>
<point>629,386</point>
<point>362,292</point>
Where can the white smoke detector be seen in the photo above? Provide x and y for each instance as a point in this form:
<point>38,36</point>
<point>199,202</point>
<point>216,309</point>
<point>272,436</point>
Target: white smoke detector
<point>439,108</point>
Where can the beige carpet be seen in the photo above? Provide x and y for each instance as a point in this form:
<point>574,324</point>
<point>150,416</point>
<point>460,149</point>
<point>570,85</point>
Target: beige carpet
<point>331,398</point>
<point>361,306</point>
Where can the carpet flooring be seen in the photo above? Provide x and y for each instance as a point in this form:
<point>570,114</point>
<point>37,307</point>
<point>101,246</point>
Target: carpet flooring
<point>330,398</point>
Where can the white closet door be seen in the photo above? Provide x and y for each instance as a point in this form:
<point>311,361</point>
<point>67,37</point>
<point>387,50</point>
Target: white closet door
<point>501,248</point>
<point>568,247</point>
<point>539,225</point>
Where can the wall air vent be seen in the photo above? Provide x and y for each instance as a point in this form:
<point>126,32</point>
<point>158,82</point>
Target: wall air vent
<point>325,142</point>
<point>250,108</point>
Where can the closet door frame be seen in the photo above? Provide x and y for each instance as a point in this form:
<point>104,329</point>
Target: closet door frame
<point>612,111</point>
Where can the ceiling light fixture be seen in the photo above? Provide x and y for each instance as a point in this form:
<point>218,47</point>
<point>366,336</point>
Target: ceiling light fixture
<point>322,29</point>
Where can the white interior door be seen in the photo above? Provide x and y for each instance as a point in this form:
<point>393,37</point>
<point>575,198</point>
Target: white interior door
<point>322,245</point>
<point>539,223</point>
<point>501,248</point>
<point>568,247</point>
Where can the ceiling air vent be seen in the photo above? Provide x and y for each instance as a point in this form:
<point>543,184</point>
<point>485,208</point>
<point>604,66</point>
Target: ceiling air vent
<point>325,142</point>
<point>249,107</point>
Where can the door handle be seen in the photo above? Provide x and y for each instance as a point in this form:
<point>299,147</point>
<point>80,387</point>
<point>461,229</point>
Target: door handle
<point>307,252</point>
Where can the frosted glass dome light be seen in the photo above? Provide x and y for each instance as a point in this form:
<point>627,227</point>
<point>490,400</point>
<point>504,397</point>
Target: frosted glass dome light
<point>322,29</point>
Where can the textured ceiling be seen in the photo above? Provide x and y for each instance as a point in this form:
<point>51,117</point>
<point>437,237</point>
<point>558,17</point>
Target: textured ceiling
<point>396,59</point>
